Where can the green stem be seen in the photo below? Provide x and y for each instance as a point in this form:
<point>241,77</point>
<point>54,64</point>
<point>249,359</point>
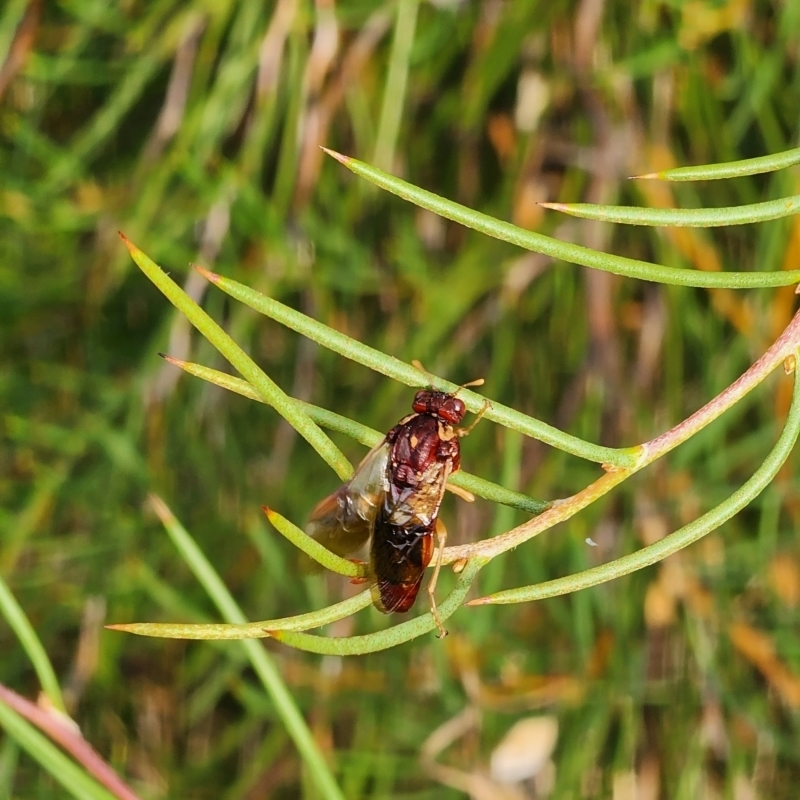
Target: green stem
<point>674,542</point>
<point>262,663</point>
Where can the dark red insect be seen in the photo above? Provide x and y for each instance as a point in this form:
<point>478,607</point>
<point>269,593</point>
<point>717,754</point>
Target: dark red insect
<point>394,498</point>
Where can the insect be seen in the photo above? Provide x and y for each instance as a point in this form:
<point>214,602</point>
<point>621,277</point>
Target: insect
<point>393,500</point>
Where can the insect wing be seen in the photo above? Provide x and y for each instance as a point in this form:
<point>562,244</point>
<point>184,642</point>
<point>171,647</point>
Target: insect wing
<point>419,506</point>
<point>344,520</point>
<point>420,462</point>
<point>398,559</point>
<point>402,542</point>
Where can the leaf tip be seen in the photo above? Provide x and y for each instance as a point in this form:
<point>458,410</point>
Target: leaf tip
<point>555,206</point>
<point>132,248</point>
<point>160,508</point>
<point>176,361</point>
<point>645,176</point>
<point>479,601</point>
<point>207,274</point>
<point>338,156</point>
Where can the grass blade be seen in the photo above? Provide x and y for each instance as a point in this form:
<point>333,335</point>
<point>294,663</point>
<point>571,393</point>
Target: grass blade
<point>63,731</point>
<point>19,623</point>
<point>42,750</point>
<point>396,80</point>
<point>263,665</point>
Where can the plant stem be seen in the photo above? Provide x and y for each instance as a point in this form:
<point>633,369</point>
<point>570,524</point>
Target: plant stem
<point>561,510</point>
<point>676,541</point>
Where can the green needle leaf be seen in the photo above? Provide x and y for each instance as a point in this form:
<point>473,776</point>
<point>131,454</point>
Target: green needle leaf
<point>728,169</point>
<point>366,436</point>
<point>682,217</point>
<point>405,373</point>
<point>312,548</point>
<point>574,253</point>
<point>391,637</point>
<point>269,391</point>
<point>248,630</point>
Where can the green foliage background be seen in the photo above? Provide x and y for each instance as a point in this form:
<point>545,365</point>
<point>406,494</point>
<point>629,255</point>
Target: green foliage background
<point>194,127</point>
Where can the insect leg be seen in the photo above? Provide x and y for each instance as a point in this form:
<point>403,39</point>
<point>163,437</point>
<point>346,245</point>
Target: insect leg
<point>468,429</point>
<point>441,538</point>
<point>462,493</point>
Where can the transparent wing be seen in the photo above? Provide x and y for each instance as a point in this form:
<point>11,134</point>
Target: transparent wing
<point>343,521</point>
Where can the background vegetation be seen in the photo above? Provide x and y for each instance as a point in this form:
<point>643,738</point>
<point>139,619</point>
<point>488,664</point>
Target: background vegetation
<point>194,127</point>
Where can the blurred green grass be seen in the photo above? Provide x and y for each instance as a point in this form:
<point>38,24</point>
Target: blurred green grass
<point>177,124</point>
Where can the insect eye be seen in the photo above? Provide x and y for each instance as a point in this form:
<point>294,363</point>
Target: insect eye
<point>421,400</point>
<point>453,410</point>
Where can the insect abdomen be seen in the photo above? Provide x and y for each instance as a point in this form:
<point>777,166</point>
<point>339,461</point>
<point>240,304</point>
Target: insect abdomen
<point>399,557</point>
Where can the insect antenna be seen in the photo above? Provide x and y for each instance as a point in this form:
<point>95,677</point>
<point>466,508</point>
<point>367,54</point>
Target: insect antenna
<point>476,382</point>
<point>417,364</point>
<point>484,409</point>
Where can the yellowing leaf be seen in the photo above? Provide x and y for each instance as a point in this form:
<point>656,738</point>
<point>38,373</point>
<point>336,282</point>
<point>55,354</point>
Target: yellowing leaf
<point>758,648</point>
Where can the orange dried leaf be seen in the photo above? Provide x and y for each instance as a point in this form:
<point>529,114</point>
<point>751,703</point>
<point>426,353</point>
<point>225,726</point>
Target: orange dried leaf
<point>784,578</point>
<point>758,648</point>
<point>660,608</point>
